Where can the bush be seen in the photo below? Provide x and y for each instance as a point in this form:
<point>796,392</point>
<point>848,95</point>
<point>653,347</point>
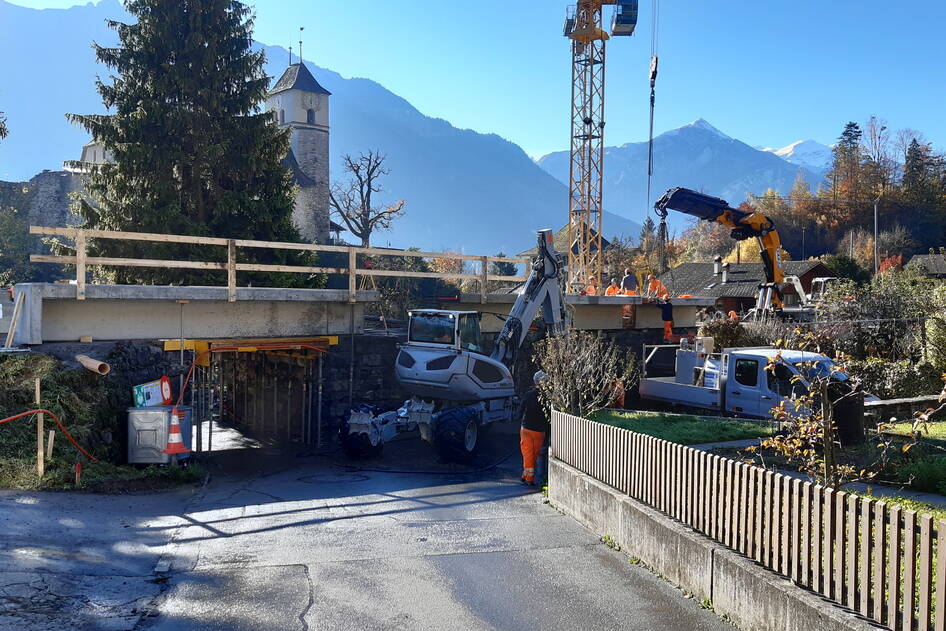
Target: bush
<point>895,379</point>
<point>924,474</point>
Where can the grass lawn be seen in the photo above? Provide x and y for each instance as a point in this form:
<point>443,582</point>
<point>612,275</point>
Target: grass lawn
<point>97,477</point>
<point>684,430</point>
<point>933,431</point>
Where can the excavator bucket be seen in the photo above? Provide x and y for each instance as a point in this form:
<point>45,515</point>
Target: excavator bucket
<point>693,203</point>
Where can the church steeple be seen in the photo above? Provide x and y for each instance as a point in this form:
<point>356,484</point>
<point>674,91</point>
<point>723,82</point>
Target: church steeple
<point>298,99</point>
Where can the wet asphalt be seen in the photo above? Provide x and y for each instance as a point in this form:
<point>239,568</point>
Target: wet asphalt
<point>283,538</point>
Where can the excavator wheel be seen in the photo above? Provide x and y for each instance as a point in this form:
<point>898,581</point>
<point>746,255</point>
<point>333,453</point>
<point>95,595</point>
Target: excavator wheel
<point>357,446</point>
<point>455,433</point>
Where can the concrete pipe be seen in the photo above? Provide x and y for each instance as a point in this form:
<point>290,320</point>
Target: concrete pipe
<point>96,366</point>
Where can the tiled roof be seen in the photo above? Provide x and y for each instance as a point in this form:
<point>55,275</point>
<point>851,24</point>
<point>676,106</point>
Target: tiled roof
<point>298,77</point>
<point>933,263</point>
<point>697,279</point>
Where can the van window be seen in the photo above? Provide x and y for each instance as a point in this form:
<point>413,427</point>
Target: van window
<point>780,382</point>
<point>747,372</point>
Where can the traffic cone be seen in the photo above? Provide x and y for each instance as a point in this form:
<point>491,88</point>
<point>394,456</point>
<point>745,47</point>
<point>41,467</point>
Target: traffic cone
<point>175,443</point>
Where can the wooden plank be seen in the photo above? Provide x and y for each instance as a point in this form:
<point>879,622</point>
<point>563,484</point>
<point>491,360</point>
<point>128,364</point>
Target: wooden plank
<point>925,595</point>
<point>729,512</point>
<point>909,569</point>
<point>81,252</point>
<point>939,623</point>
<point>484,273</point>
<point>290,269</point>
<point>743,528</point>
<point>787,526</point>
<point>851,526</point>
<point>863,562</point>
<point>231,270</point>
<point>804,571</point>
<point>443,255</point>
<point>796,528</point>
<point>765,518</point>
<point>759,515</point>
<point>352,279</point>
<point>774,508</point>
<point>401,274</point>
<point>15,318</point>
<point>817,498</point>
<point>893,566</point>
<point>827,547</point>
<point>122,262</point>
<point>880,561</point>
<point>840,513</point>
<point>73,233</point>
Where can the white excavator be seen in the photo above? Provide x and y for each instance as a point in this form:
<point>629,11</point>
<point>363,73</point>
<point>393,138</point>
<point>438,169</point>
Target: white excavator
<point>456,389</point>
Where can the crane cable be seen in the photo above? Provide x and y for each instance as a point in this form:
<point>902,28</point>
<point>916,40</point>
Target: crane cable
<point>662,228</point>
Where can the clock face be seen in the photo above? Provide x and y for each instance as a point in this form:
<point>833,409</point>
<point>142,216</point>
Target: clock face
<point>309,101</point>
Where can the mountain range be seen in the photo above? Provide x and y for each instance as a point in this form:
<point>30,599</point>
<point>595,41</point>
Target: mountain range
<point>465,191</point>
<point>696,156</point>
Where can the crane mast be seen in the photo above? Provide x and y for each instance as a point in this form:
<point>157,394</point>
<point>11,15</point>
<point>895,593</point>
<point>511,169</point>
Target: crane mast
<point>584,28</point>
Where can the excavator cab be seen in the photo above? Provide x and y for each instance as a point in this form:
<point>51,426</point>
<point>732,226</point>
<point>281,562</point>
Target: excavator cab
<point>456,329</point>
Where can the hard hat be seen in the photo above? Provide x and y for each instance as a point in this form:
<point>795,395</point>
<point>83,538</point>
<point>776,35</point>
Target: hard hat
<point>539,377</point>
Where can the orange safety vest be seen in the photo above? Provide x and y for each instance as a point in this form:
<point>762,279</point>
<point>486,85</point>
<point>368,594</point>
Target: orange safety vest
<point>656,288</point>
<point>612,290</point>
<point>591,290</point>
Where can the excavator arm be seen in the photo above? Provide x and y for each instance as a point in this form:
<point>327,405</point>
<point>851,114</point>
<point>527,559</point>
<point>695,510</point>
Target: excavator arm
<point>542,291</point>
<point>745,225</point>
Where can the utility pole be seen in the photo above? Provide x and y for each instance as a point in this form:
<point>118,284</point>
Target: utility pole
<point>876,257</point>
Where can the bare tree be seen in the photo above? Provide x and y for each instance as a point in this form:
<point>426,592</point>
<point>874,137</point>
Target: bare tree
<point>3,126</point>
<point>352,200</point>
<point>904,138</point>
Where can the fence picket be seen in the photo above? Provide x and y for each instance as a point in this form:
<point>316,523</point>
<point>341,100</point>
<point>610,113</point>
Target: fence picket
<point>925,572</point>
<point>806,508</point>
<point>795,550</point>
<point>827,542</point>
<point>840,550</point>
<point>909,569</point>
<point>940,621</point>
<point>817,521</point>
<point>893,566</point>
<point>851,527</point>
<point>863,563</point>
<point>787,525</point>
<point>880,516</point>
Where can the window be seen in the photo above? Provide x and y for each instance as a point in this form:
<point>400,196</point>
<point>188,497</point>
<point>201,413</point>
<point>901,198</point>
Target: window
<point>470,333</point>
<point>282,116</point>
<point>432,328</point>
<point>487,373</point>
<point>747,372</point>
<point>780,382</point>
<point>310,117</point>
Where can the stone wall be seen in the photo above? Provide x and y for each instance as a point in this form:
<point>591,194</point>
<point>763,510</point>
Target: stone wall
<point>45,199</point>
<point>311,215</point>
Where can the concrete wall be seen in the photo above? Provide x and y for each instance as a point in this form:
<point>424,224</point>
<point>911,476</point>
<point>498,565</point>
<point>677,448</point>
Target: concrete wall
<point>52,314</point>
<point>754,598</point>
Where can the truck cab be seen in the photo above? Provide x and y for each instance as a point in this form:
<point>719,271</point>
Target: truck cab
<point>734,381</point>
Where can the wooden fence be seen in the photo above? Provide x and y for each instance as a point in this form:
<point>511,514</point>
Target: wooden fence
<point>82,261</point>
<point>876,559</point>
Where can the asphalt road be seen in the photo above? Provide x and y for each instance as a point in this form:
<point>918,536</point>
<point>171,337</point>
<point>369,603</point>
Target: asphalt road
<point>290,540</point>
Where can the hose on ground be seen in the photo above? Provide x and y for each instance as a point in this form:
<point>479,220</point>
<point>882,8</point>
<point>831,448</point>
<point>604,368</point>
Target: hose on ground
<point>62,428</point>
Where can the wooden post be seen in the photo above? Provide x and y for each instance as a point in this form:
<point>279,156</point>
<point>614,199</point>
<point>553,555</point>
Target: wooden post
<point>352,264</point>
<point>17,308</point>
<point>484,271</point>
<point>49,444</point>
<point>40,462</point>
<point>80,265</point>
<point>231,270</point>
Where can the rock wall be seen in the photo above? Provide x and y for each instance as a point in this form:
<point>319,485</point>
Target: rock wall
<point>45,198</point>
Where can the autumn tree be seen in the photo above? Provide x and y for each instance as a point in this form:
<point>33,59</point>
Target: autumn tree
<point>193,153</point>
<point>355,201</point>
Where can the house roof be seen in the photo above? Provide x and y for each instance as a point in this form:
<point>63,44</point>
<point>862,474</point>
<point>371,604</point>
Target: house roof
<point>934,264</point>
<point>298,77</point>
<point>697,279</point>
<point>560,242</point>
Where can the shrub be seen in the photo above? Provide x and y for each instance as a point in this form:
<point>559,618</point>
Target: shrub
<point>924,474</point>
<point>895,379</point>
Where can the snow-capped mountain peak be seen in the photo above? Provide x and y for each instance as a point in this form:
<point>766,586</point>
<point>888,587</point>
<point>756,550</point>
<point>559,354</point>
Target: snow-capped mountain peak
<point>806,153</point>
<point>702,123</point>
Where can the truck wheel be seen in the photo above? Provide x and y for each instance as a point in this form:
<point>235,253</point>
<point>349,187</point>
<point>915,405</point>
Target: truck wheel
<point>455,433</point>
<point>357,446</point>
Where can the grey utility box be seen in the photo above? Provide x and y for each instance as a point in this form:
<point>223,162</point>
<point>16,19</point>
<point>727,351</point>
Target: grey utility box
<point>148,433</point>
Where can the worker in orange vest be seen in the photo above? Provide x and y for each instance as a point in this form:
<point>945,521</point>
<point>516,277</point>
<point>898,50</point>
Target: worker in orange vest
<point>655,288</point>
<point>666,314</point>
<point>733,316</point>
<point>535,427</point>
<point>613,289</point>
<point>592,288</point>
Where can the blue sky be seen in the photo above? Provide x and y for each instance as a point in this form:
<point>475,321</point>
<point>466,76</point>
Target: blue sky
<point>768,72</point>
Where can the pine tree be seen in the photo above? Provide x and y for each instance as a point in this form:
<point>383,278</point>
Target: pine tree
<point>915,168</point>
<point>193,152</point>
<point>648,233</point>
<point>845,172</point>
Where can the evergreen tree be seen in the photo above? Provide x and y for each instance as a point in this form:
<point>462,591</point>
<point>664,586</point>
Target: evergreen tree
<point>193,152</point>
<point>845,172</point>
<point>915,168</point>
<point>648,233</point>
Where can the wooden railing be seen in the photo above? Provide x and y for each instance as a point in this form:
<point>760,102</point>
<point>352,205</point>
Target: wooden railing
<point>878,560</point>
<point>82,261</point>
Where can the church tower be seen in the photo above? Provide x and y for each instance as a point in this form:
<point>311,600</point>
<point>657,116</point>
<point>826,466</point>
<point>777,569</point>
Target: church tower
<point>298,102</point>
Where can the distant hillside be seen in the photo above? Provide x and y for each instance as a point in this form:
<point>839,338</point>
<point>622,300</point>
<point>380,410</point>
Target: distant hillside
<point>464,190</point>
<point>696,156</point>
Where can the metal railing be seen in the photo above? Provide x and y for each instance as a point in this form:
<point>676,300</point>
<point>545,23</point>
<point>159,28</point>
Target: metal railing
<point>880,561</point>
<point>82,261</point>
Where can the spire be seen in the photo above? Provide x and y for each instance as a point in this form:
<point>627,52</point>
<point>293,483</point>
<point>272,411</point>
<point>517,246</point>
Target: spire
<point>298,77</point>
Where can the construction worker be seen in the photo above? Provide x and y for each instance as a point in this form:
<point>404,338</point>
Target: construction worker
<point>733,316</point>
<point>535,427</point>
<point>629,283</point>
<point>613,289</point>
<point>592,288</point>
<point>666,314</point>
<point>655,288</point>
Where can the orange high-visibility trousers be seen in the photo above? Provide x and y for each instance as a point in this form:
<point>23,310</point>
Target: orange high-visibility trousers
<point>668,329</point>
<point>530,442</point>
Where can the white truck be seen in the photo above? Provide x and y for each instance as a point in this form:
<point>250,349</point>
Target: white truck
<point>732,382</point>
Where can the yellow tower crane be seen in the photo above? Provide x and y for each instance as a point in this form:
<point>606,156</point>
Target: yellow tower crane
<point>583,26</point>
